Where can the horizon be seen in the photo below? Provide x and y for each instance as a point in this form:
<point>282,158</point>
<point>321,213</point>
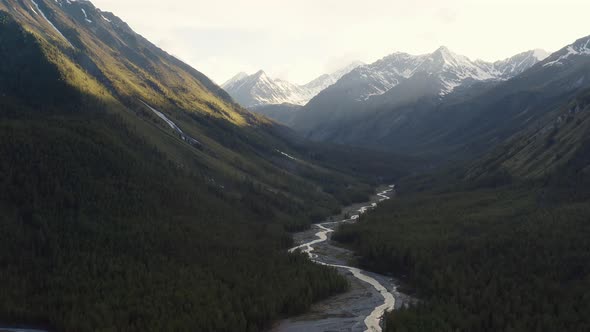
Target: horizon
<point>224,38</point>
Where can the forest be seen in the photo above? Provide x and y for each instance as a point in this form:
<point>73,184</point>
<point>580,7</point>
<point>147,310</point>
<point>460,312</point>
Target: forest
<point>82,233</point>
<point>509,257</point>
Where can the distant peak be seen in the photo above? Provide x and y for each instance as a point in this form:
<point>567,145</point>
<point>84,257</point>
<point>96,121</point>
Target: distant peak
<point>447,57</point>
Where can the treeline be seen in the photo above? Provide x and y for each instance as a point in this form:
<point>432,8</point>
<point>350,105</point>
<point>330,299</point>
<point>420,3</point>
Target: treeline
<point>503,259</point>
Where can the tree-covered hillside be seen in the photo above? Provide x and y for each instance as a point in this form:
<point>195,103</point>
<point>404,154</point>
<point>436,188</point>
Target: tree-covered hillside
<point>111,220</point>
<point>482,260</point>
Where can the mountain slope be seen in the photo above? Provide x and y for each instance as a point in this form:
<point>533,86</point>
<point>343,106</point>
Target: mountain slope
<point>556,145</point>
<point>136,195</point>
<point>141,78</point>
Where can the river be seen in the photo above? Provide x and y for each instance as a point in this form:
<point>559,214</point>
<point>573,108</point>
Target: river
<point>370,294</point>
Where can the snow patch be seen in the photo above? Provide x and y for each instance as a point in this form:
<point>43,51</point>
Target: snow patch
<point>85,16</point>
<point>50,23</point>
<point>172,125</point>
<point>287,155</point>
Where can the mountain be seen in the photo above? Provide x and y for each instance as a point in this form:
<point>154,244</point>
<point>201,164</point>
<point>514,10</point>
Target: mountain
<point>483,120</point>
<point>130,178</point>
<point>529,188</point>
<point>260,90</point>
<point>400,79</point>
<point>324,81</point>
<point>517,64</point>
<point>466,122</point>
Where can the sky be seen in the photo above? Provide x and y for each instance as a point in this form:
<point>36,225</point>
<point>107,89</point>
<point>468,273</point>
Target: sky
<point>298,40</point>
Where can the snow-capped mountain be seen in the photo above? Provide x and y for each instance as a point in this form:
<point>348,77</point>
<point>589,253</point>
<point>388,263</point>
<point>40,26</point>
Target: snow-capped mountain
<point>580,47</point>
<point>452,70</point>
<point>259,89</point>
<point>444,97</point>
<point>324,81</point>
<point>402,79</point>
<point>517,64</point>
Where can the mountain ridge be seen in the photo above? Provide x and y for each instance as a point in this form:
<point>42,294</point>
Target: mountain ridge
<point>464,123</point>
<point>259,89</point>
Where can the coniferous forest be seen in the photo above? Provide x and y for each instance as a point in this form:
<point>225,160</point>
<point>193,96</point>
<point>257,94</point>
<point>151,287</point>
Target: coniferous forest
<point>508,258</point>
<point>87,244</point>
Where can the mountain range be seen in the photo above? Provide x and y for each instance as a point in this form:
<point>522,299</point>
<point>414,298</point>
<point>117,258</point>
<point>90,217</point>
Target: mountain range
<point>402,78</point>
<point>415,117</point>
<point>259,89</point>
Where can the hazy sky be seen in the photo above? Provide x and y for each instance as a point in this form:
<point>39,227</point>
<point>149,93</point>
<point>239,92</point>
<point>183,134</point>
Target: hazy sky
<point>300,39</point>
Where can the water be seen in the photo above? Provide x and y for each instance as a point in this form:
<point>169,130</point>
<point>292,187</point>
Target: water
<point>381,299</point>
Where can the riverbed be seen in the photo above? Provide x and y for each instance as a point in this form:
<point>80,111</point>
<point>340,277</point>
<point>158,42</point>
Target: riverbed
<point>370,294</point>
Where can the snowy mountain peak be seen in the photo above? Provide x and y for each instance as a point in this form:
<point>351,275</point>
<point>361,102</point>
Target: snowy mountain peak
<point>444,69</point>
<point>259,89</point>
<point>445,57</point>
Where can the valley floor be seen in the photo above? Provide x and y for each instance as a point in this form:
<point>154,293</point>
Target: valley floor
<point>355,309</point>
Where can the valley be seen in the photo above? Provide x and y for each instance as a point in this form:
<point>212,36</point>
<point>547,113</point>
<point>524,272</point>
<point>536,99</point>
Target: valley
<point>136,194</point>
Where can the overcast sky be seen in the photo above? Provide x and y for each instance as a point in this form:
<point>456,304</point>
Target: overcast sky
<point>300,39</point>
